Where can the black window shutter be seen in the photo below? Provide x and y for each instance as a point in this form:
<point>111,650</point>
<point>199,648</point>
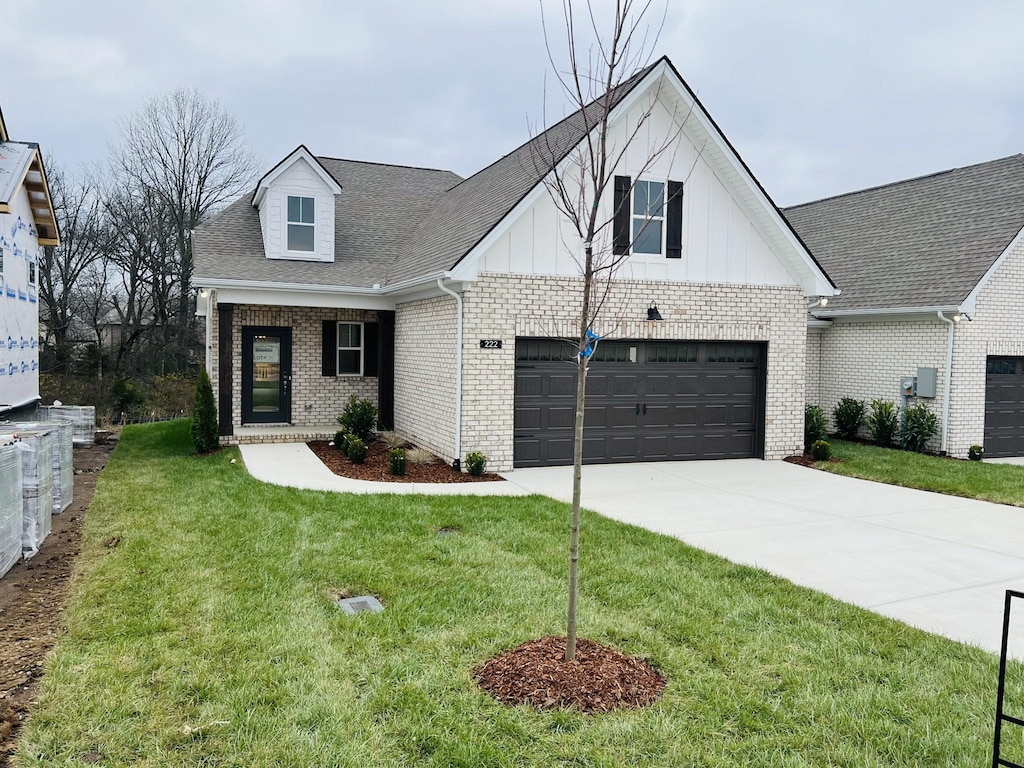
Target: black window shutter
<point>674,225</point>
<point>330,348</point>
<point>371,352</point>
<point>620,222</point>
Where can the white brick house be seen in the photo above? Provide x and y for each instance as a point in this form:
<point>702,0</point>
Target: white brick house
<point>339,277</point>
<point>27,224</point>
<point>932,273</point>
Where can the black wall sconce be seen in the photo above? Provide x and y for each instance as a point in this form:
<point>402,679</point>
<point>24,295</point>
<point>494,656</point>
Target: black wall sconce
<point>653,313</point>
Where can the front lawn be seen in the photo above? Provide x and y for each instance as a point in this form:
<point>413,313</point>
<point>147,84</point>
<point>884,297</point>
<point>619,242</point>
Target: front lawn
<point>207,635</point>
<point>1002,483</point>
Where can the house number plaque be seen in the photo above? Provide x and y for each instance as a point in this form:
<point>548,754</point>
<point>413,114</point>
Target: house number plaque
<point>490,343</point>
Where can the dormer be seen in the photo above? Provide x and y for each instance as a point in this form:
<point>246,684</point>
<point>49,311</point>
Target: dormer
<point>295,200</point>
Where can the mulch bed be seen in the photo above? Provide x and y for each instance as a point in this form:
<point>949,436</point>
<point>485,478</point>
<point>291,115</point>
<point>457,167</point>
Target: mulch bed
<point>376,467</point>
<point>599,679</point>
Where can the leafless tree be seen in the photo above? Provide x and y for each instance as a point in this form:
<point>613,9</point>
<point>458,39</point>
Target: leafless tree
<point>601,66</point>
<point>184,149</point>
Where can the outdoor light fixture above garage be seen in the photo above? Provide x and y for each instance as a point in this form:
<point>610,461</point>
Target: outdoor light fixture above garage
<point>653,313</point>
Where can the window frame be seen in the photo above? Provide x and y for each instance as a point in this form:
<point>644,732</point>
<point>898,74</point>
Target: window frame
<point>634,217</point>
<point>338,349</point>
<point>33,273</point>
<point>289,223</point>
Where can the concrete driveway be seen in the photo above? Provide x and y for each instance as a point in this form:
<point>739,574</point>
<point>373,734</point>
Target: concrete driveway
<point>937,562</point>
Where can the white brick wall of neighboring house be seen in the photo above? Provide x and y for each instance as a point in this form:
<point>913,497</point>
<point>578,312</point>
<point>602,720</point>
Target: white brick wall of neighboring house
<point>425,333</point>
<point>317,400</point>
<point>997,328</point>
<point>865,360</point>
<point>505,306</point>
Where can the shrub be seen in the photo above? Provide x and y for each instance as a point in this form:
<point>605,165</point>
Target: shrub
<point>127,394</point>
<point>919,426</point>
<point>204,415</point>
<point>396,461</point>
<point>391,439</point>
<point>814,425</point>
<point>420,456</point>
<point>821,450</point>
<point>359,418</point>
<point>356,450</point>
<point>884,422</point>
<point>341,441</point>
<point>848,416</point>
<point>476,462</point>
<point>975,453</point>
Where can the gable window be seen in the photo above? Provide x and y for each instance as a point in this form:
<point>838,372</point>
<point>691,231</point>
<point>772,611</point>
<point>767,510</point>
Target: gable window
<point>648,216</point>
<point>31,272</point>
<point>301,224</point>
<point>350,349</point>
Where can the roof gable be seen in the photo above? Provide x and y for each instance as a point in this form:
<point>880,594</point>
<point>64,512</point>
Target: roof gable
<point>21,165</point>
<point>923,242</point>
<point>298,155</point>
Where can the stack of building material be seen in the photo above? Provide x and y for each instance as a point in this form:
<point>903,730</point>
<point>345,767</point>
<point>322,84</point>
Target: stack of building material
<point>63,459</point>
<point>81,417</point>
<point>11,512</point>
<point>36,447</point>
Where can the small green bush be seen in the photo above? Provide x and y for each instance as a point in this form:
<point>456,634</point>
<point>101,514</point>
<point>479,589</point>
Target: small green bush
<point>476,462</point>
<point>884,422</point>
<point>127,394</point>
<point>821,451</point>
<point>919,426</point>
<point>341,441</point>
<point>396,461</point>
<point>815,425</point>
<point>359,418</point>
<point>975,453</point>
<point>356,450</point>
<point>204,415</point>
<point>848,416</point>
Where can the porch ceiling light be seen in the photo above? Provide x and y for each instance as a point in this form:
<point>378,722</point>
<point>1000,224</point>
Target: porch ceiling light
<point>653,313</point>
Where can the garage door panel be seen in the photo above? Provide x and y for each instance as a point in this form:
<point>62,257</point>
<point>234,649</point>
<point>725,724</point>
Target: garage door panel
<point>561,385</point>
<point>528,418</point>
<point>1004,407</point>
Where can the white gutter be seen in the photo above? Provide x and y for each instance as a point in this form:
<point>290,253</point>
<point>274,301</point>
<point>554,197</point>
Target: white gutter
<point>823,313</point>
<point>458,372</point>
<point>949,381</point>
<point>272,285</point>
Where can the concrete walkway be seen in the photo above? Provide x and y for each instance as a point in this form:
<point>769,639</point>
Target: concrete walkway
<point>937,562</point>
<point>296,466</point>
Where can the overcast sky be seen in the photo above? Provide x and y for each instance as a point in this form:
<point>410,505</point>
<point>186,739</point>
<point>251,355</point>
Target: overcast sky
<point>819,97</point>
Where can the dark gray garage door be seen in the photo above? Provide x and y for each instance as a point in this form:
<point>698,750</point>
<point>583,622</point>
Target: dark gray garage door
<point>1004,407</point>
<point>646,401</point>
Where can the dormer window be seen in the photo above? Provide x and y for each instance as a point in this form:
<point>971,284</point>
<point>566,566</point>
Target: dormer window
<point>301,224</point>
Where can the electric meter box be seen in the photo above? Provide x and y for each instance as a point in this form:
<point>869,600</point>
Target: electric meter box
<point>926,381</point>
<point>908,386</point>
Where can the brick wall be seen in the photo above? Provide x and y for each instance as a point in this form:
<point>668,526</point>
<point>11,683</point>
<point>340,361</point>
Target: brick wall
<point>812,387</point>
<point>316,400</point>
<point>504,307</point>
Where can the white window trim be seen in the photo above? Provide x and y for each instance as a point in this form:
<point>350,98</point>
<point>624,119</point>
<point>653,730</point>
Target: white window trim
<point>288,223</point>
<point>339,349</point>
<point>663,218</point>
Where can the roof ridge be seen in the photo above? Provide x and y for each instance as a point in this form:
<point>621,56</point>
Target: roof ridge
<point>390,165</point>
<point>1018,157</point>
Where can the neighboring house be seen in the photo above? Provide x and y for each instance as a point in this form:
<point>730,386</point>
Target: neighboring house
<point>447,301</point>
<point>932,274</point>
<point>27,223</point>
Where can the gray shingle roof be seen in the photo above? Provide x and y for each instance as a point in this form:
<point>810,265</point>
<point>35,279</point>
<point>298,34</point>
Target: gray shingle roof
<point>394,223</point>
<point>923,242</point>
<point>378,210</point>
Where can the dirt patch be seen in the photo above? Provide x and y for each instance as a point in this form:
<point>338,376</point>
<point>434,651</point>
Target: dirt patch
<point>599,679</point>
<point>32,597</point>
<point>803,460</point>
<point>376,467</point>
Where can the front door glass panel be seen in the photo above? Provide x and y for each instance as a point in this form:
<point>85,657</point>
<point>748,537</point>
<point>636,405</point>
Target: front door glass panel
<point>266,374</point>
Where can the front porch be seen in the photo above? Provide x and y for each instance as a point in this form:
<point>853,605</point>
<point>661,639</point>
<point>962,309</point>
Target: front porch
<point>251,434</point>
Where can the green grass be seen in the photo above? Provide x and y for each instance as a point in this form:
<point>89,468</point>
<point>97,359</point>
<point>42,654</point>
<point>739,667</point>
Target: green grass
<point>1002,483</point>
<point>207,637</point>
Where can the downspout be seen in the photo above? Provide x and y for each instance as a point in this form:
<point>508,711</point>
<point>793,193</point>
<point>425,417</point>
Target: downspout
<point>457,463</point>
<point>949,381</point>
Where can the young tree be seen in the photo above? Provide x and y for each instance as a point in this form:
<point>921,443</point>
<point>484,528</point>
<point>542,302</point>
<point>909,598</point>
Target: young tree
<point>601,67</point>
<point>204,415</point>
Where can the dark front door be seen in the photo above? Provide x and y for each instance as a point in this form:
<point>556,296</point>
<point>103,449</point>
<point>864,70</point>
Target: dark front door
<point>266,375</point>
<point>646,401</point>
<point>1004,406</point>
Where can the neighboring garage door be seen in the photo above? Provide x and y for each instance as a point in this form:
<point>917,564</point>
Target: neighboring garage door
<point>646,401</point>
<point>1004,407</point>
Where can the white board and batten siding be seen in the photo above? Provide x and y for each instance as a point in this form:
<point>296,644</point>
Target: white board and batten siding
<point>721,241</point>
<point>299,180</point>
<point>19,306</point>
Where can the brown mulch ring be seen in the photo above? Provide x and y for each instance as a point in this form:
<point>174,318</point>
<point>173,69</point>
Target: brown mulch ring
<point>804,460</point>
<point>599,679</point>
<point>376,467</point>
<point>32,597</point>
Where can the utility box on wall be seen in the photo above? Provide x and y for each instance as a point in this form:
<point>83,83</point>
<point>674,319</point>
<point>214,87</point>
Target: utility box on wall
<point>926,381</point>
